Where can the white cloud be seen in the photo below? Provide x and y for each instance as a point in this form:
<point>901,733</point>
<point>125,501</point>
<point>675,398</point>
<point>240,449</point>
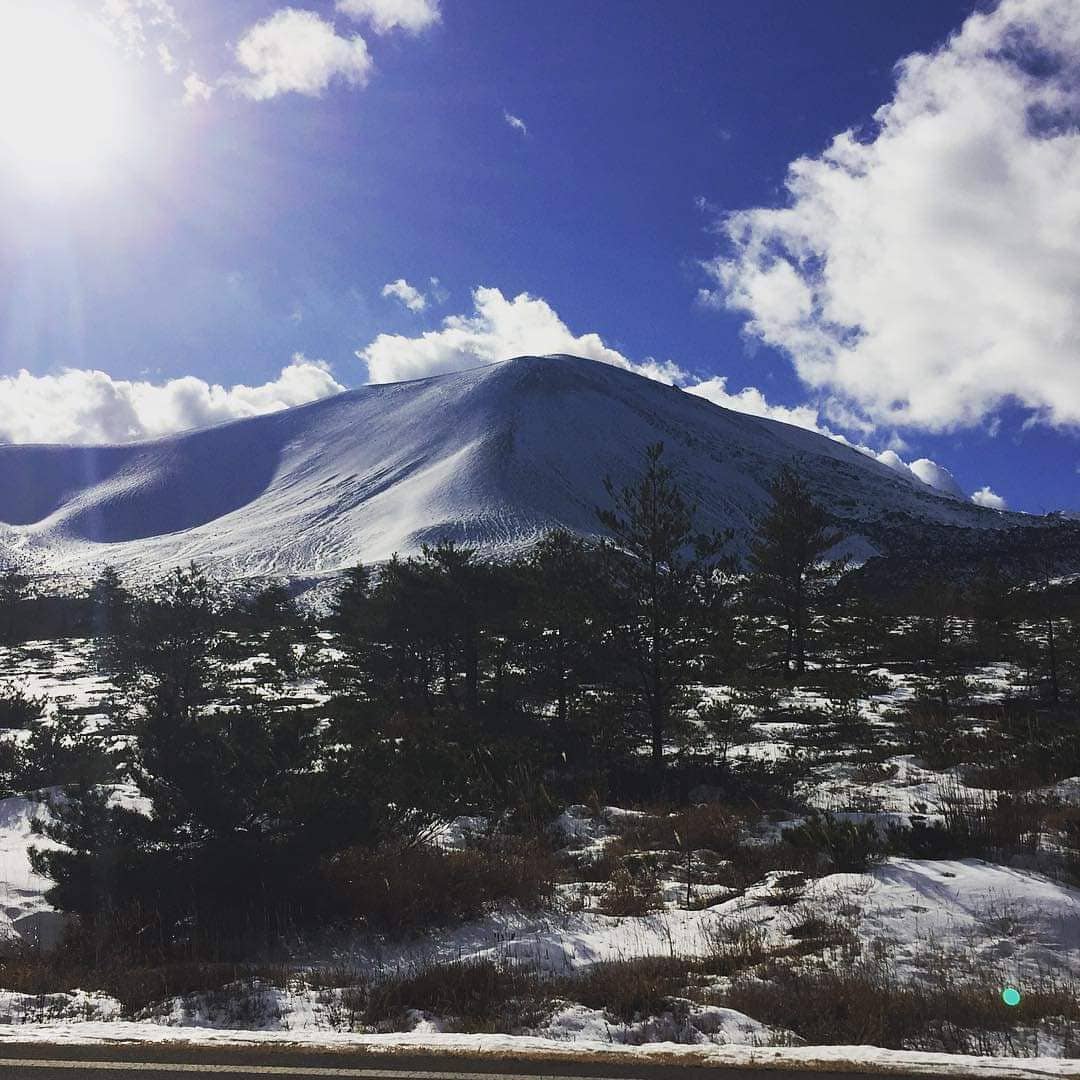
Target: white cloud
<point>751,400</point>
<point>937,476</point>
<point>515,122</point>
<point>135,22</point>
<point>384,15</point>
<point>498,329</point>
<point>926,272</point>
<point>406,294</point>
<point>85,406</point>
<point>195,90</point>
<point>166,58</point>
<point>986,497</point>
<point>922,469</point>
<point>294,51</point>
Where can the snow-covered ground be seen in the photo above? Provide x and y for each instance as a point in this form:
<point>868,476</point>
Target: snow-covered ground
<point>1004,925</point>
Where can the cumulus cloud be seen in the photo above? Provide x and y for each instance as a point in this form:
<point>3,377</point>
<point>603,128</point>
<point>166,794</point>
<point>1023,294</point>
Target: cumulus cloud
<point>295,51</point>
<point>195,90</point>
<point>986,497</point>
<point>515,122</point>
<point>406,294</point>
<point>497,329</point>
<point>937,476</point>
<point>385,15</point>
<point>922,469</point>
<point>751,400</point>
<point>925,272</point>
<point>85,407</point>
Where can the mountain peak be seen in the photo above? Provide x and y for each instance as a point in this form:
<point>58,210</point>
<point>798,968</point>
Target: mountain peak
<point>491,456</point>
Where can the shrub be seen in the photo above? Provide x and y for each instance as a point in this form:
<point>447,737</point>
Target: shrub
<point>138,987</point>
<point>629,990</point>
<point>751,862</point>
<point>401,888</point>
<point>865,1004</point>
<point>632,891</point>
<point>849,847</point>
<point>18,709</point>
<point>733,946</point>
<point>474,995</point>
<point>711,826</point>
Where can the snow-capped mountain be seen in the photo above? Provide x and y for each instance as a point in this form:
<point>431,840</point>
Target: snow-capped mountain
<point>493,456</point>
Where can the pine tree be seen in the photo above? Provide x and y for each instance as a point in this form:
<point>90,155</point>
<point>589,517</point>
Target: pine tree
<point>13,590</point>
<point>273,614</point>
<point>788,561</point>
<point>111,618</point>
<point>992,607</point>
<point>656,580</point>
<point>566,623</point>
<point>176,637</point>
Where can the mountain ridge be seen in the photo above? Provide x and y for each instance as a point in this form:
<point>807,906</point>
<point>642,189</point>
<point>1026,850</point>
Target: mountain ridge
<point>493,456</point>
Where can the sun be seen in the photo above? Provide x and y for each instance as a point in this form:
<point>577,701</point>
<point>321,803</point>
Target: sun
<point>62,107</point>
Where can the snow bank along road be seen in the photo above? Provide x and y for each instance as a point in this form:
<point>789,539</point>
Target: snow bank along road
<point>38,1061</point>
<point>42,1061</point>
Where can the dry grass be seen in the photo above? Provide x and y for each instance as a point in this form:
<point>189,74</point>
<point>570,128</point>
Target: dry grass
<point>402,889</point>
<point>864,1004</point>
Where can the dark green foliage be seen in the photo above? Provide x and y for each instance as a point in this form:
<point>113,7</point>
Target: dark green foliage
<point>788,561</point>
<point>724,723</point>
<point>849,847</point>
<point>13,589</point>
<point>112,623</point>
<point>656,586</point>
<point>59,752</point>
<point>18,709</point>
<point>280,629</point>
<point>242,801</point>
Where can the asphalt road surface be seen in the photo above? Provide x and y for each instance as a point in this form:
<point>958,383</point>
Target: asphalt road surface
<point>42,1061</point>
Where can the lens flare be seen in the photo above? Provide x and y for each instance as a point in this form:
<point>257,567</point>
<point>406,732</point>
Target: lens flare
<point>62,107</point>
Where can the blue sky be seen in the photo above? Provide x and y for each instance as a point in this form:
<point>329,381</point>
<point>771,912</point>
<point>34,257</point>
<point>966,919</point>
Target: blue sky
<point>246,205</point>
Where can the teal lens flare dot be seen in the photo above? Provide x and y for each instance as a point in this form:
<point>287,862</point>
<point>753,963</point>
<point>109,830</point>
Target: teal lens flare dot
<point>1010,995</point>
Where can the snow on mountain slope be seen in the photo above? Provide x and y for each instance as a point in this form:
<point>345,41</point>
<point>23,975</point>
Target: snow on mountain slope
<point>492,456</point>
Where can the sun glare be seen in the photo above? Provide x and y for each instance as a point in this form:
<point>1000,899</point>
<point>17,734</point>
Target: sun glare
<point>62,119</point>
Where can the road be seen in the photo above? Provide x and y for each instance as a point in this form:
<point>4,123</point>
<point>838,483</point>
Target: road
<point>42,1061</point>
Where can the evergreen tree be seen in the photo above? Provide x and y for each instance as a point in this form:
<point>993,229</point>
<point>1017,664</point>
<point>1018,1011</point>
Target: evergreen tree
<point>935,642</point>
<point>1045,603</point>
<point>426,657</point>
<point>176,640</point>
<point>993,609</point>
<point>567,619</point>
<point>111,621</point>
<point>240,802</point>
<point>273,615</point>
<point>657,583</point>
<point>13,590</point>
<point>788,562</point>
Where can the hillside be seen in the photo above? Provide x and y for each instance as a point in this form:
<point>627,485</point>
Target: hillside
<point>492,456</point>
